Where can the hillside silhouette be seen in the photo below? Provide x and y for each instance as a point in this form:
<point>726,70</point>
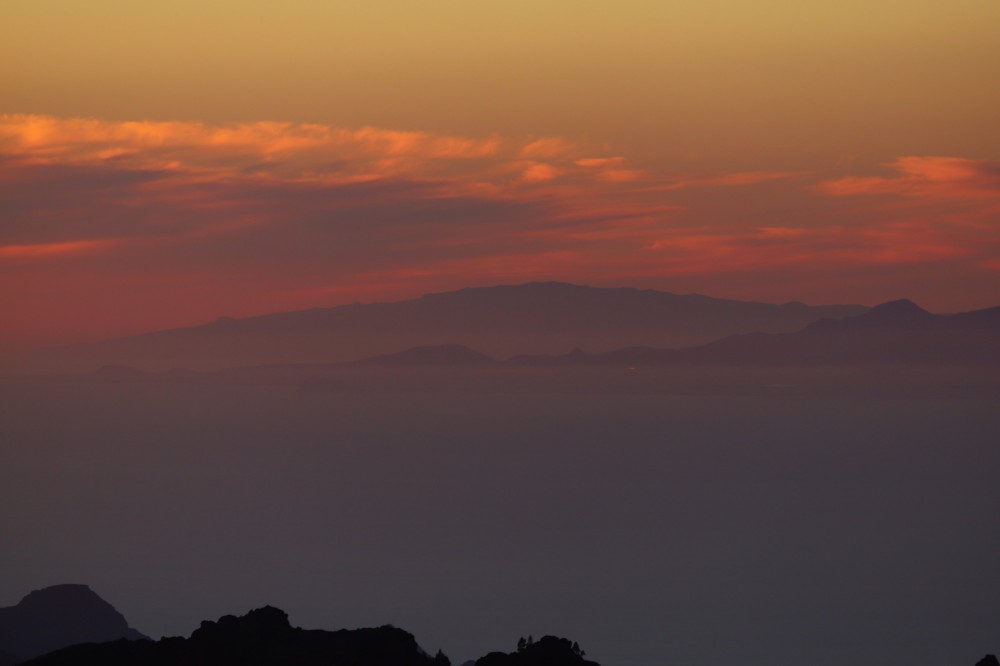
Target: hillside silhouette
<point>58,616</point>
<point>539,317</point>
<point>548,651</point>
<point>97,634</point>
<point>262,637</point>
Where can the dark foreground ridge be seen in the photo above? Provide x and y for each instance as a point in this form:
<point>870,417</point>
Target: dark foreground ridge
<point>55,617</point>
<point>262,637</point>
<point>549,651</point>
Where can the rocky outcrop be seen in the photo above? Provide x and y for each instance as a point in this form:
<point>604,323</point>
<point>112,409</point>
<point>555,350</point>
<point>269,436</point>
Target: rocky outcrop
<point>58,616</point>
<point>262,637</point>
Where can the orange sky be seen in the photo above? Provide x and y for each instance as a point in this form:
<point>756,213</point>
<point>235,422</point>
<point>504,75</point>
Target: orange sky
<point>164,164</point>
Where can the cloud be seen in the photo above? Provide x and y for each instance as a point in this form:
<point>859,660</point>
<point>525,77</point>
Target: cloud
<point>43,250</point>
<point>740,178</point>
<point>116,227</point>
<point>611,169</point>
<point>948,177</point>
<point>601,162</point>
<point>540,172</point>
<point>548,147</point>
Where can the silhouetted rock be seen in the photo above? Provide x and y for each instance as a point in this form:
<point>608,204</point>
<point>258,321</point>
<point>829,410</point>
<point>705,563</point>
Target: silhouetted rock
<point>58,616</point>
<point>548,651</point>
<point>262,637</point>
<point>988,660</point>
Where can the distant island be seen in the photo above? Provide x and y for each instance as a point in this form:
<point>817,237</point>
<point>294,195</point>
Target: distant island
<point>893,346</point>
<point>501,321</point>
<point>553,324</point>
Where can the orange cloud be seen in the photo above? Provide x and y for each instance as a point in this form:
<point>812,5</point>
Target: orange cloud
<point>601,162</point>
<point>731,179</point>
<point>951,177</point>
<point>610,169</point>
<point>540,172</point>
<point>174,223</point>
<point>44,250</point>
<point>548,147</point>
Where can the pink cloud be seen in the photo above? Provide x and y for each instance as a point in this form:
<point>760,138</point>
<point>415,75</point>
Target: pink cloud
<point>159,224</point>
<point>548,147</point>
<point>741,178</point>
<point>60,249</point>
<point>601,162</point>
<point>539,172</point>
<point>950,177</point>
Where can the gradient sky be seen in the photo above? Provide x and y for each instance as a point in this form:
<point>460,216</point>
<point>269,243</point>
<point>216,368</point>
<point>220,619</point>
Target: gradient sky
<point>162,164</point>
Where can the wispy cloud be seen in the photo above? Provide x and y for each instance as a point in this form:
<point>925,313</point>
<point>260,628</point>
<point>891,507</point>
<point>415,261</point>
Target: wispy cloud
<point>739,178</point>
<point>950,177</point>
<point>112,227</point>
<point>44,250</point>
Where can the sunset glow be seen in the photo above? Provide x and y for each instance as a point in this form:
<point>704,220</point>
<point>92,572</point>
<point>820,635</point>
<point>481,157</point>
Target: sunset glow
<point>500,332</point>
<point>277,216</point>
<point>693,148</point>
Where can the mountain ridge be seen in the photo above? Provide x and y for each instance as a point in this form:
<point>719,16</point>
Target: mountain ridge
<point>500,321</point>
<point>265,637</point>
<point>896,331</point>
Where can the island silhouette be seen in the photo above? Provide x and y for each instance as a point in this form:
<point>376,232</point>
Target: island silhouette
<point>500,321</point>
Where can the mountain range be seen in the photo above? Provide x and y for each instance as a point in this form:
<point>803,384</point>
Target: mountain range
<point>501,321</point>
<point>891,333</point>
<point>897,332</point>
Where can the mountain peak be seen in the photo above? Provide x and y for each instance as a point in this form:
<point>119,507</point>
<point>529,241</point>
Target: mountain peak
<point>65,593</point>
<point>266,622</point>
<point>898,305</point>
<point>57,616</point>
<point>67,601</point>
<point>902,310</point>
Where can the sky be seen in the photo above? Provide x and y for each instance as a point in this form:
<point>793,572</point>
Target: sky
<point>164,164</point>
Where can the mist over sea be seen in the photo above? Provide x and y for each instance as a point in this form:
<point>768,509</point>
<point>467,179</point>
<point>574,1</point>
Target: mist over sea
<point>764,527</point>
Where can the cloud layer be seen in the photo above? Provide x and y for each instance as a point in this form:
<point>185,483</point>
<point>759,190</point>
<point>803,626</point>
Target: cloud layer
<point>115,227</point>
